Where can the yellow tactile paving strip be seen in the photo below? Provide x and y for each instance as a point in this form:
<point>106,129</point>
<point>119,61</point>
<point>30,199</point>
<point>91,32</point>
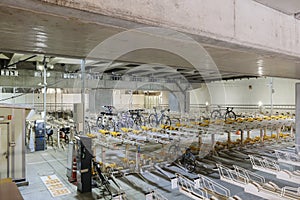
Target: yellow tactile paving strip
<point>55,186</point>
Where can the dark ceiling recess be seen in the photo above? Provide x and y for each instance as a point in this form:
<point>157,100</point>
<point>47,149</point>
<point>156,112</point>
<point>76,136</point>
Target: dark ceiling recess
<point>113,70</point>
<point>180,69</point>
<point>132,65</point>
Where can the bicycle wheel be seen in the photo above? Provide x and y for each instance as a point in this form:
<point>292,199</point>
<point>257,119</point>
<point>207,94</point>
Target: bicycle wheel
<point>216,114</point>
<point>152,120</point>
<point>87,127</point>
<point>230,115</point>
<point>130,123</point>
<point>165,120</point>
<point>118,126</point>
<point>67,139</point>
<point>174,151</point>
<point>50,140</point>
<point>139,120</point>
<point>190,165</point>
<point>99,123</point>
<point>142,120</point>
<point>111,125</point>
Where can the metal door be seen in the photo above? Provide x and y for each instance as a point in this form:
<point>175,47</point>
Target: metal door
<point>4,150</point>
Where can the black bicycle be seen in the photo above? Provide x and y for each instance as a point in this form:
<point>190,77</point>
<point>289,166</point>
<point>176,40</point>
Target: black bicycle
<point>106,119</point>
<point>64,134</point>
<point>188,160</point>
<point>229,114</point>
<point>137,117</point>
<point>104,184</point>
<point>49,133</point>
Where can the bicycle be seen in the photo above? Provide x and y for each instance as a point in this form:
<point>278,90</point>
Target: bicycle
<point>49,133</point>
<point>175,150</point>
<point>106,119</point>
<point>229,114</point>
<point>154,120</point>
<point>63,134</point>
<point>188,160</point>
<point>124,120</point>
<point>137,117</point>
<point>103,181</point>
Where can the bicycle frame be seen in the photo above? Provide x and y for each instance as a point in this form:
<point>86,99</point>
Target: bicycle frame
<point>160,119</point>
<point>219,113</point>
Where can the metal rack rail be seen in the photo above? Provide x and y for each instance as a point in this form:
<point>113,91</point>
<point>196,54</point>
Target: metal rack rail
<point>256,184</point>
<point>271,166</point>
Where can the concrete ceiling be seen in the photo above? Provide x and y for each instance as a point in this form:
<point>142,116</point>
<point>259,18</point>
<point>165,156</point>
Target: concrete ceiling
<point>289,7</point>
<point>34,33</point>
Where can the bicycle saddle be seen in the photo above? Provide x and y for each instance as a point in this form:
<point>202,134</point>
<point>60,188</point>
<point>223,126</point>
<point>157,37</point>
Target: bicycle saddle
<point>229,108</point>
<point>49,132</point>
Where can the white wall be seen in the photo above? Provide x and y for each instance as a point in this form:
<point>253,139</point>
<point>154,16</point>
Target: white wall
<point>122,101</point>
<point>37,99</point>
<point>238,92</point>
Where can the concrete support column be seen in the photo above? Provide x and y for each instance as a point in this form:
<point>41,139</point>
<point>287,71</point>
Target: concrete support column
<point>261,136</point>
<point>297,120</point>
<point>228,138</point>
<point>242,136</point>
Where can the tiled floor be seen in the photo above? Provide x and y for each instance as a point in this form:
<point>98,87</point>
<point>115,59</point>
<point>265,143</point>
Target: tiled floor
<point>48,162</point>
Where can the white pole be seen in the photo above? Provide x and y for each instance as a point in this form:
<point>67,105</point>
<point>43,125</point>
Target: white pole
<point>83,93</point>
<point>272,91</point>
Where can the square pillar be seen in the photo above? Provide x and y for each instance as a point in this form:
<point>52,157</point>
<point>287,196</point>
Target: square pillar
<point>297,120</point>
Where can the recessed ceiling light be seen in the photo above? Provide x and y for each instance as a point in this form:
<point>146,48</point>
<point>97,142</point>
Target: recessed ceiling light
<point>260,71</point>
<point>260,62</point>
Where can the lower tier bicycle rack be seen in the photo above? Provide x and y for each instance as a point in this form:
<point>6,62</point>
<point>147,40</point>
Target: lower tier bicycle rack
<point>201,188</point>
<point>272,167</point>
<point>288,157</point>
<point>256,184</point>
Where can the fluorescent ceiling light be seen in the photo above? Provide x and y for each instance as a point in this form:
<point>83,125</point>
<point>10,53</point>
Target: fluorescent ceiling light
<point>2,56</point>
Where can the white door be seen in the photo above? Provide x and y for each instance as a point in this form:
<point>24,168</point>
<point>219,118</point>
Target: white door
<point>3,151</point>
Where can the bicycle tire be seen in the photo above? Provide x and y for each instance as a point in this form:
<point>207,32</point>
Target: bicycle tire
<point>143,121</point>
<point>139,120</point>
<point>190,165</point>
<point>216,114</point>
<point>230,115</point>
<point>87,127</point>
<point>118,126</point>
<point>50,140</point>
<point>67,139</point>
<point>99,123</point>
<point>174,151</point>
<point>152,120</point>
<point>165,120</point>
<point>111,125</point>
